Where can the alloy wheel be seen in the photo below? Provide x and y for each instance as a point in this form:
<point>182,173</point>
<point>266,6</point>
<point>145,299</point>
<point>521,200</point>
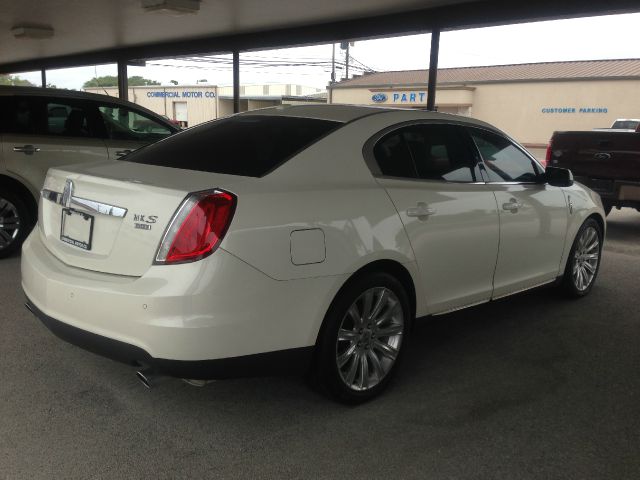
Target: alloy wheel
<point>9,223</point>
<point>586,258</point>
<point>369,338</point>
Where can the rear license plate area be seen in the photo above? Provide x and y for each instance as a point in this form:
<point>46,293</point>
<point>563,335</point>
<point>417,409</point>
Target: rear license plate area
<point>76,228</point>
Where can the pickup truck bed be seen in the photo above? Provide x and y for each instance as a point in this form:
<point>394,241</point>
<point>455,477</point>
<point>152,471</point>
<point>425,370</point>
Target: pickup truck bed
<point>606,162</point>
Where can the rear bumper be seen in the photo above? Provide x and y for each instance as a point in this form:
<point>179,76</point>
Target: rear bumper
<point>189,315</point>
<point>622,193</point>
<point>292,361</point>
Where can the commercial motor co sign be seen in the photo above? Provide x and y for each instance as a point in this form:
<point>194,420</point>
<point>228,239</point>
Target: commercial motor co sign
<point>184,94</point>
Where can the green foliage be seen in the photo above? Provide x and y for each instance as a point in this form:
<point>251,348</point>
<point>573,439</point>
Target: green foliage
<point>15,80</point>
<point>138,81</point>
<point>104,81</point>
<point>112,81</point>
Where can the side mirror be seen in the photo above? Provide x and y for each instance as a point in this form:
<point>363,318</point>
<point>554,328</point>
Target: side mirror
<point>558,177</point>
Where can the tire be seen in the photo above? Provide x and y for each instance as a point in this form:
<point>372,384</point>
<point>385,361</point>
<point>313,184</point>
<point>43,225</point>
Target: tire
<point>16,222</point>
<point>584,260</point>
<point>358,365</point>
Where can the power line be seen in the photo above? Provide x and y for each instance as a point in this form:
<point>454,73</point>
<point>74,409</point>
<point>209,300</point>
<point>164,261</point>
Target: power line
<point>221,63</point>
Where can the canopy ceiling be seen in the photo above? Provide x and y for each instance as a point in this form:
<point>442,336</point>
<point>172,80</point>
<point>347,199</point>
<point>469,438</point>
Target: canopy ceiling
<point>97,31</point>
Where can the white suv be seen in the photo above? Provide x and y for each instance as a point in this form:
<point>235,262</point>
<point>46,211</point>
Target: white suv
<point>44,128</point>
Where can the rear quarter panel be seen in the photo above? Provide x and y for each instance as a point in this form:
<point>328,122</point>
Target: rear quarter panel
<point>329,187</point>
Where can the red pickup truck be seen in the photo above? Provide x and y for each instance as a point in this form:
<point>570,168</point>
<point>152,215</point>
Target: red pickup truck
<point>608,162</point>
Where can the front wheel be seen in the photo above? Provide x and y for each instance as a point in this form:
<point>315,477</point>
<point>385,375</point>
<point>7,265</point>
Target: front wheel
<point>583,263</point>
<point>363,338</point>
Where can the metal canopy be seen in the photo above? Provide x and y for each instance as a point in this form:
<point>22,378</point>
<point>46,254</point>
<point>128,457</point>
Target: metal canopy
<point>95,32</point>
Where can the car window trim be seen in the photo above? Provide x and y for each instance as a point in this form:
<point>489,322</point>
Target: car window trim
<point>372,163</point>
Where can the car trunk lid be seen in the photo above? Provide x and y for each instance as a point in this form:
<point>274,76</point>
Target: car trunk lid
<point>110,217</point>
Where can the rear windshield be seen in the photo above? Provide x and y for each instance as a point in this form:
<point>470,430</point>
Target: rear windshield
<point>625,124</point>
<point>244,145</point>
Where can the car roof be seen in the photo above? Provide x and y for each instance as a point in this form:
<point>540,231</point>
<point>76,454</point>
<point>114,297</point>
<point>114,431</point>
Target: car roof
<point>74,94</point>
<point>348,113</point>
<point>57,92</point>
<point>333,112</point>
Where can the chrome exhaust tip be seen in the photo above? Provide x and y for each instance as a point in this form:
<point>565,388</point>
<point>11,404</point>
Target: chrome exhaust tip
<point>147,377</point>
<point>197,383</point>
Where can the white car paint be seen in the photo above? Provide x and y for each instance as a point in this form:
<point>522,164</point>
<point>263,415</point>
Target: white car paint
<point>51,151</point>
<point>298,234</point>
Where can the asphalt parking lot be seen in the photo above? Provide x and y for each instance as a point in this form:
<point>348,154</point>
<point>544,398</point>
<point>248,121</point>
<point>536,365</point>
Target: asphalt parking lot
<point>533,386</point>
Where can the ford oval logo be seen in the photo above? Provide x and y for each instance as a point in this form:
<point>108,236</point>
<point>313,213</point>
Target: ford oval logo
<point>379,97</point>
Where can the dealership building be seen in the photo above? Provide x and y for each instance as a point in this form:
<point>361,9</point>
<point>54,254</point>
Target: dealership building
<point>194,104</point>
<point>528,101</point>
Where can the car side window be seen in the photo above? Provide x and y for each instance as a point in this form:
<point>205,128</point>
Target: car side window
<point>504,161</point>
<point>393,156</point>
<point>68,119</point>
<point>122,123</point>
<point>19,115</point>
<point>440,152</point>
<point>427,152</point>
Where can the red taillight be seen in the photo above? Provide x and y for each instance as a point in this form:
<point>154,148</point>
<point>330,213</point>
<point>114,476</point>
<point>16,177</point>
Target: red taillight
<point>198,227</point>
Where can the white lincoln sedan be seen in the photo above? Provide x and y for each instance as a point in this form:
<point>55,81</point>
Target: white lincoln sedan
<point>300,239</point>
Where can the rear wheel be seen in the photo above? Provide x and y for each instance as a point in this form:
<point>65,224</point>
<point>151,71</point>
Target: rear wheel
<point>583,263</point>
<point>15,222</point>
<point>363,338</point>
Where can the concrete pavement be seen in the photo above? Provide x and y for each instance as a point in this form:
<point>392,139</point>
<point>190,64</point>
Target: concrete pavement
<point>533,386</point>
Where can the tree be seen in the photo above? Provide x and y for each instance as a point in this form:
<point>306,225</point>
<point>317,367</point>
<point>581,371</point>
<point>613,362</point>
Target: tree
<point>112,81</point>
<point>104,81</point>
<point>15,80</point>
<point>138,81</point>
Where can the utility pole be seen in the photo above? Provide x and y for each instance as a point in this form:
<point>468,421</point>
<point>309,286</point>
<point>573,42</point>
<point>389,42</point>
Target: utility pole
<point>345,46</point>
<point>333,63</point>
<point>333,72</point>
<point>347,69</point>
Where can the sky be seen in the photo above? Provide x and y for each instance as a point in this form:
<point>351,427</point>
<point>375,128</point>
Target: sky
<point>592,38</point>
